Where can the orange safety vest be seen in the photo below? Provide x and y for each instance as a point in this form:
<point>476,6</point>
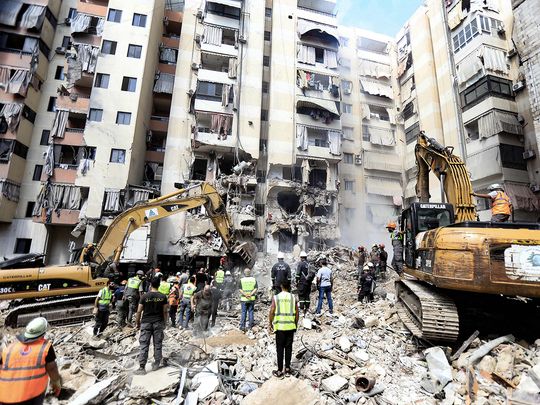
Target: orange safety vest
<point>173,296</point>
<point>22,374</point>
<point>501,204</point>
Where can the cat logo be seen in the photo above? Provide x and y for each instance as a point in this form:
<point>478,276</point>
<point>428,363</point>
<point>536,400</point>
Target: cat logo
<point>152,212</point>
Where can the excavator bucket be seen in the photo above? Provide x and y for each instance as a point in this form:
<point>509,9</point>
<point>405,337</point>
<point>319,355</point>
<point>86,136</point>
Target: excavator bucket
<point>246,250</point>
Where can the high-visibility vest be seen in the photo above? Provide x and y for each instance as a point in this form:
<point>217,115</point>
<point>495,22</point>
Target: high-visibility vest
<point>22,374</point>
<point>220,276</point>
<point>501,204</point>
<point>164,288</point>
<point>134,282</point>
<point>188,290</point>
<point>285,315</point>
<point>248,285</point>
<point>396,235</point>
<point>105,296</point>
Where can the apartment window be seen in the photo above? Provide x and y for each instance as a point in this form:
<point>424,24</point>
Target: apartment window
<point>22,245</point>
<point>108,47</point>
<point>95,114</point>
<point>266,60</point>
<point>268,12</point>
<point>512,157</point>
<point>264,115</point>
<point>348,133</point>
<point>408,110</point>
<point>72,12</point>
<point>223,10</point>
<point>118,156</point>
<point>129,83</point>
<point>102,80</point>
<point>59,74</point>
<point>411,133</point>
<point>139,20</point>
<point>37,172</point>
<point>29,114</point>
<point>486,87</point>
<point>20,149</point>
<point>348,158</point>
<point>267,36</point>
<point>489,25</point>
<point>123,118</point>
<point>465,35</point>
<point>29,209</point>
<point>134,51</point>
<point>114,15</point>
<point>65,42</point>
<point>265,86</point>
<point>51,106</point>
<point>344,41</point>
<point>346,86</point>
<point>346,108</point>
<point>209,91</point>
<point>349,185</point>
<point>319,55</point>
<point>45,134</point>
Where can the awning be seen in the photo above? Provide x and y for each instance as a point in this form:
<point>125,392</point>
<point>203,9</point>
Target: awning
<point>380,136</point>
<point>230,3</point>
<point>469,67</point>
<point>9,10</point>
<point>522,197</point>
<point>496,122</point>
<point>379,161</point>
<point>383,186</point>
<point>374,69</point>
<point>456,15</point>
<point>305,26</point>
<point>377,89</point>
<point>312,102</point>
<point>495,59</point>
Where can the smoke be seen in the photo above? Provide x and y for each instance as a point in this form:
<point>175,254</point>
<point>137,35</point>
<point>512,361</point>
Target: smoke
<point>357,230</point>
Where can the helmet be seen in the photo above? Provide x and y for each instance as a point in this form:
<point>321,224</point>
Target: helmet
<point>36,328</point>
<point>495,186</point>
<point>391,225</point>
<point>303,254</point>
<point>366,267</point>
<point>227,273</point>
<point>140,273</point>
<point>374,246</point>
<point>381,245</point>
<point>370,264</point>
<point>280,255</point>
<point>178,274</point>
<point>158,274</point>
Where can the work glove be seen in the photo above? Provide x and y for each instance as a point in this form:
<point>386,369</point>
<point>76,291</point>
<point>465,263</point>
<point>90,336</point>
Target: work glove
<point>56,386</point>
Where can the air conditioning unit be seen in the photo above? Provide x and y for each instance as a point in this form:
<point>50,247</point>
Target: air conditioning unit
<point>518,86</point>
<point>194,66</point>
<point>512,52</point>
<point>500,29</point>
<point>67,21</point>
<point>199,13</point>
<point>158,175</point>
<point>198,38</point>
<point>60,50</point>
<point>358,160</point>
<point>242,39</point>
<point>535,188</point>
<point>529,154</point>
<point>347,90</point>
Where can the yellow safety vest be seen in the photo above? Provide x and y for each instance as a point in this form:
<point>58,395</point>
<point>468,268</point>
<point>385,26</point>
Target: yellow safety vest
<point>134,282</point>
<point>164,288</point>
<point>285,316</point>
<point>248,285</point>
<point>501,204</point>
<point>188,290</point>
<point>220,276</point>
<point>106,296</point>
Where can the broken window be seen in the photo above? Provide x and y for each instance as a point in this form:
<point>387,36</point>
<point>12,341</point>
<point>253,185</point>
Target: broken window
<point>289,201</point>
<point>287,241</point>
<point>199,169</point>
<point>317,178</point>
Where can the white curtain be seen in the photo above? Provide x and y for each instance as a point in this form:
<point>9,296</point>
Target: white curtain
<point>212,35</point>
<point>18,83</point>
<point>225,92</point>
<point>99,26</point>
<point>301,137</point>
<point>377,89</point>
<point>306,54</point>
<point>12,115</point>
<point>334,140</point>
<point>168,55</point>
<point>140,195</point>
<point>87,56</point>
<point>112,200</point>
<point>233,68</point>
<point>380,136</point>
<point>494,59</point>
<point>49,161</point>
<point>80,23</point>
<point>59,124</point>
<point>4,77</point>
<point>58,196</point>
<point>33,17</point>
<point>366,112</point>
<point>330,59</point>
<point>374,69</point>
<point>164,83</point>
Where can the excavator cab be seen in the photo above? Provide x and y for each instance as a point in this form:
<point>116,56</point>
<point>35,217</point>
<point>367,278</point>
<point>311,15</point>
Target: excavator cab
<point>422,217</point>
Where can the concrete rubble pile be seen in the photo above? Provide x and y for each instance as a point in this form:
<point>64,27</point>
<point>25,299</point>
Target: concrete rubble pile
<point>360,354</point>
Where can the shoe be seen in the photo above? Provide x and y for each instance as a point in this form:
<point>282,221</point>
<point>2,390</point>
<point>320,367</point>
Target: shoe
<point>243,329</point>
<point>140,371</point>
<point>277,374</point>
<point>155,366</point>
<point>287,372</point>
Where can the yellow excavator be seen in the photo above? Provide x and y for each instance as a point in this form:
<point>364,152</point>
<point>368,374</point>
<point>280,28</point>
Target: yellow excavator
<point>64,294</point>
<point>455,259</point>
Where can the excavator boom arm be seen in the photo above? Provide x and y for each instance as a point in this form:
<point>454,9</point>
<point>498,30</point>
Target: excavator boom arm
<point>451,172</point>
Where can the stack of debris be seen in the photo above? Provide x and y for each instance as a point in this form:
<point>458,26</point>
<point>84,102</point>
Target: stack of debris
<point>360,354</point>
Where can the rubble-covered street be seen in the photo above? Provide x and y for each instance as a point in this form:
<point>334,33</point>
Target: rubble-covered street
<point>335,358</point>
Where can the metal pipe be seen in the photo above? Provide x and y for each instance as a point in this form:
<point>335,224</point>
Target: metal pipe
<point>441,179</point>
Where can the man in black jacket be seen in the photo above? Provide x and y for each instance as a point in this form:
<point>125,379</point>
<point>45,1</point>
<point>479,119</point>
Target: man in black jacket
<point>304,279</point>
<point>280,271</point>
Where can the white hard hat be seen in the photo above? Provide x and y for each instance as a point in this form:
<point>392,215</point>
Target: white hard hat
<point>495,186</point>
<point>280,255</point>
<point>303,254</point>
<point>159,274</point>
<point>366,267</point>
<point>178,274</point>
<point>36,328</point>
<point>370,264</point>
<point>227,273</point>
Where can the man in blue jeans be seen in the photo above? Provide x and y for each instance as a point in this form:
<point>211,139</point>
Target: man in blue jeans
<point>248,292</point>
<point>324,282</point>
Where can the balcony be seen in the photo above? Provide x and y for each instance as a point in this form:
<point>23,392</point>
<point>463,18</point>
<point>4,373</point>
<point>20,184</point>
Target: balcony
<point>173,23</point>
<point>9,197</point>
<point>72,137</point>
<point>7,209</point>
<point>326,7</point>
<point>210,40</point>
<point>62,174</point>
<point>95,8</point>
<point>74,102</point>
<point>155,156</point>
<point>15,58</point>
<point>159,123</point>
<point>214,131</point>
<point>314,142</point>
<point>214,64</point>
<point>58,217</point>
<point>170,41</point>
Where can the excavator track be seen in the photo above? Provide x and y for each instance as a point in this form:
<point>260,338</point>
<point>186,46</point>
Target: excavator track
<point>427,313</point>
<point>64,311</point>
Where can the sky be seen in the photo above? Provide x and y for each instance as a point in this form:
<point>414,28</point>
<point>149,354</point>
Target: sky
<point>382,16</point>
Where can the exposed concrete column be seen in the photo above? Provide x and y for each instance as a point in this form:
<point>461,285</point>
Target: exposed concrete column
<point>90,233</point>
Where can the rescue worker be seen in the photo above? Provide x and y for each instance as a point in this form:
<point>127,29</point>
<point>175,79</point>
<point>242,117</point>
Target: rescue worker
<point>26,366</point>
<point>374,256</point>
<point>102,308</point>
<point>133,292</point>
<point>216,298</point>
<point>164,286</point>
<point>219,278</point>
<point>150,319</point>
<point>283,319</point>
<point>362,257</point>
<point>182,277</point>
<point>304,279</point>
<point>201,304</point>
<point>280,271</point>
<point>228,290</point>
<point>121,304</point>
<point>397,245</point>
<point>367,283</point>
<point>186,293</point>
<point>501,206</point>
<point>383,256</point>
<point>324,284</point>
<point>202,279</point>
<point>248,291</point>
<point>174,297</point>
